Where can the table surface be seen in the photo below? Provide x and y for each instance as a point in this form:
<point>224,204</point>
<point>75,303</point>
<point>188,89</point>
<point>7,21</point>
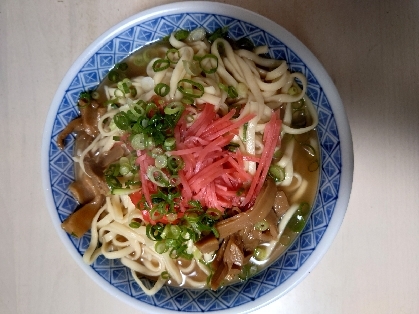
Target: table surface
<point>369,48</point>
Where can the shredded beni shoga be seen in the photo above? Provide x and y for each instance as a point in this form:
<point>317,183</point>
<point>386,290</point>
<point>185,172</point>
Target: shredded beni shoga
<point>169,160</point>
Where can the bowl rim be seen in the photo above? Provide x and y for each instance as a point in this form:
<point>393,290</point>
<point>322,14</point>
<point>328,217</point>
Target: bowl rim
<point>210,7</point>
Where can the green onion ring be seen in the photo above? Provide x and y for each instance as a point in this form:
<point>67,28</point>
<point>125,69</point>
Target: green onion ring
<point>173,107</point>
<point>160,65</point>
<point>173,52</point>
<point>162,89</point>
<point>189,93</point>
<point>209,57</point>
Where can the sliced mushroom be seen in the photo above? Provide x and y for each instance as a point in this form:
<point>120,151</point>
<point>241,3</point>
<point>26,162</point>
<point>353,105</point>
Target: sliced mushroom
<point>207,244</point>
<point>281,204</point>
<point>79,222</point>
<point>258,212</point>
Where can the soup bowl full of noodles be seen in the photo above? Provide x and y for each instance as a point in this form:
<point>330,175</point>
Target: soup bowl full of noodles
<point>197,158</point>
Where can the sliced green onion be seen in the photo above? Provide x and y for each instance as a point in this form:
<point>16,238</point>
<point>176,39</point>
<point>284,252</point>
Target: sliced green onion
<point>175,163</point>
<point>135,224</point>
<point>160,65</point>
<point>113,76</point>
<point>304,208</point>
<point>187,100</point>
<point>112,182</point>
<point>292,91</point>
<point>174,232</point>
<point>165,275</point>
<point>156,152</point>
<point>138,141</point>
<point>153,232</point>
<point>195,90</point>
<point>157,176</point>
<point>299,119</point>
<point>123,191</point>
<point>133,91</point>
<point>151,106</point>
<point>123,87</point>
<point>285,240</point>
<point>173,55</point>
<point>181,34</point>
<point>150,143</point>
<point>232,147</point>
<point>232,92</point>
<point>162,89</point>
<point>220,32</point>
<point>169,143</point>
<point>191,217</point>
<point>121,120</point>
<point>161,247</point>
<point>85,97</point>
<point>244,43</point>
<point>191,67</point>
<point>213,213</point>
<point>260,253</point>
<point>277,173</point>
<point>298,104</point>
<point>209,63</point>
<point>125,170</point>
<point>173,107</point>
<point>160,161</point>
<point>262,225</point>
<point>121,66</point>
<point>95,95</point>
<point>223,87</point>
<point>145,57</point>
<point>297,222</point>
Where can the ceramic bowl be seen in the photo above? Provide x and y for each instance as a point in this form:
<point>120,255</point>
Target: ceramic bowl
<point>334,135</point>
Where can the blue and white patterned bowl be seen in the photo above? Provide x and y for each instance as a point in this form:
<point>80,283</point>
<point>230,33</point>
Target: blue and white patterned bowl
<point>334,133</point>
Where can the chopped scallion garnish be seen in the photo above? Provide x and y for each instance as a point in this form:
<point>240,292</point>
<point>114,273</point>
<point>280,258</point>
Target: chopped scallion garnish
<point>190,88</point>
<point>160,65</point>
<point>181,34</point>
<point>173,55</point>
<point>277,173</point>
<point>209,63</point>
<point>134,224</point>
<point>162,89</point>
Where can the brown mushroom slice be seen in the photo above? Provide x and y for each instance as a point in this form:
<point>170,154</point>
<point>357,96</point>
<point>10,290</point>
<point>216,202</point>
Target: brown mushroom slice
<point>90,115</point>
<point>79,222</point>
<point>74,125</point>
<point>233,259</point>
<point>220,273</point>
<point>95,172</point>
<point>272,220</point>
<point>114,154</point>
<point>83,140</point>
<point>233,254</point>
<point>207,244</point>
<point>281,204</point>
<point>258,212</point>
<point>82,189</point>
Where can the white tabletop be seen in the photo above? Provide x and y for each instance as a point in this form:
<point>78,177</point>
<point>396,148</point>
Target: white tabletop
<point>371,51</point>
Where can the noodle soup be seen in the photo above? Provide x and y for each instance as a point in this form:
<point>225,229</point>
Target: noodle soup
<point>197,161</point>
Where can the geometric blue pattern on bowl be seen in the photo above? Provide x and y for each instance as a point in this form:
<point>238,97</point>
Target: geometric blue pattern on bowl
<point>61,170</point>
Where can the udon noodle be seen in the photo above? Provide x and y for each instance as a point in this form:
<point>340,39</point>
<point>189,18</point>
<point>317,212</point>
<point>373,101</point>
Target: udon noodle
<point>196,160</point>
